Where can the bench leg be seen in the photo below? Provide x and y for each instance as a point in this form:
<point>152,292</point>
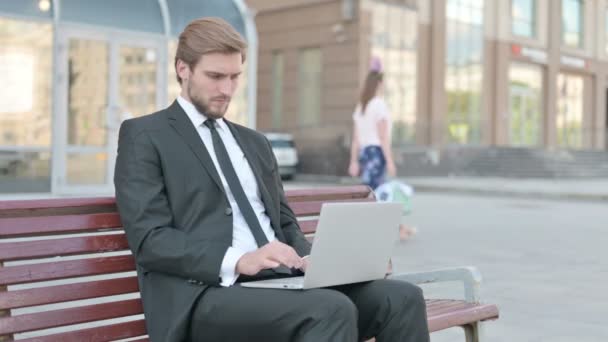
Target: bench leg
<point>471,332</point>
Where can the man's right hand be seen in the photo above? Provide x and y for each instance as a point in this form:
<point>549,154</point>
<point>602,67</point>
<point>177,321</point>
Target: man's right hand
<point>271,255</point>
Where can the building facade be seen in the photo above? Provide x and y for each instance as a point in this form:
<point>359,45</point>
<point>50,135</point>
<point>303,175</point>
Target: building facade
<point>72,70</point>
<point>470,74</point>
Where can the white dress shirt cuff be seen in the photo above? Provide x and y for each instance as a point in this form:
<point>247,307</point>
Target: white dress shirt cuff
<point>228,268</point>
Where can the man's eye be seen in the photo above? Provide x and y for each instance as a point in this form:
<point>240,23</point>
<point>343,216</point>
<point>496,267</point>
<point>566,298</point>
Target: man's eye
<point>216,77</point>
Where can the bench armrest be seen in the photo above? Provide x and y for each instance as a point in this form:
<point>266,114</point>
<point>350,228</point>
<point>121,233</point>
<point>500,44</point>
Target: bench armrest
<point>468,275</point>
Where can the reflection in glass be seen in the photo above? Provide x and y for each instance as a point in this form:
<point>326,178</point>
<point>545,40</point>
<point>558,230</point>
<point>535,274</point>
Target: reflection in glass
<point>24,171</point>
<point>25,77</point>
<point>87,92</point>
<point>525,97</point>
<point>137,82</point>
<point>572,22</point>
<point>523,15</point>
<point>173,87</point>
<point>464,64</point>
<point>86,168</point>
<point>569,119</point>
<point>25,105</point>
<point>393,40</point>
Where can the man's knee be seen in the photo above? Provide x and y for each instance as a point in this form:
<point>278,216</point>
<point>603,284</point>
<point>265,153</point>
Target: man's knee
<point>336,306</point>
<point>399,293</point>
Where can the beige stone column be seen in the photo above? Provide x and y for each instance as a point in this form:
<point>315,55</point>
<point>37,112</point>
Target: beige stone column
<point>423,74</point>
<point>437,99</point>
<point>495,109</point>
<point>553,65</point>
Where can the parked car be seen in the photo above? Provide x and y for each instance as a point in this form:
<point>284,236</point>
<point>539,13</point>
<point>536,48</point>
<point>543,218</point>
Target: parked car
<point>285,151</point>
<point>10,161</point>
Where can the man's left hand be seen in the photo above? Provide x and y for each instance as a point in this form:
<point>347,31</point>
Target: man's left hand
<point>304,264</point>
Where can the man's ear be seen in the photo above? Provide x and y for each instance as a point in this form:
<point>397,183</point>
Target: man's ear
<point>183,69</point>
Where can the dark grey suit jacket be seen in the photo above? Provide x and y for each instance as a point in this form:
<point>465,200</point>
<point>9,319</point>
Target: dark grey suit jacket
<point>176,214</point>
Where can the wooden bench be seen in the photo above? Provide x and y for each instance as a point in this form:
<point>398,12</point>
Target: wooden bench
<point>66,273</point>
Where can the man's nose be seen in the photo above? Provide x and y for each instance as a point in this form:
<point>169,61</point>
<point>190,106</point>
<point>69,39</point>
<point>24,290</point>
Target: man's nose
<point>226,87</point>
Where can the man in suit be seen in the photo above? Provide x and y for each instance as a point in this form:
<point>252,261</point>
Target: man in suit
<point>203,208</point>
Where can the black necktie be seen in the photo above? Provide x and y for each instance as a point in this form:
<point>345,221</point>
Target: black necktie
<point>235,185</point>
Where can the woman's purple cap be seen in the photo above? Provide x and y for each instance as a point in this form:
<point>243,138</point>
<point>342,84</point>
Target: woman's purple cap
<point>375,65</point>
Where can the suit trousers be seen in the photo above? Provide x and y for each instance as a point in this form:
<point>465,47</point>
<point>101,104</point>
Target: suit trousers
<point>389,310</point>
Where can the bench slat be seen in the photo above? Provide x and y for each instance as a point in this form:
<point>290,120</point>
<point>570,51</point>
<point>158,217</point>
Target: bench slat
<point>308,227</point>
<point>40,225</point>
<point>62,247</point>
<point>97,334</point>
<point>63,293</point>
<point>447,306</point>
<point>57,318</point>
<point>65,269</point>
<point>432,303</point>
<point>56,203</point>
<point>468,313</point>
<point>328,193</point>
<point>314,207</point>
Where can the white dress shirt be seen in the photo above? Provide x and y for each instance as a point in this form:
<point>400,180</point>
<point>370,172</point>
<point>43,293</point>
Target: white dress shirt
<point>242,238</point>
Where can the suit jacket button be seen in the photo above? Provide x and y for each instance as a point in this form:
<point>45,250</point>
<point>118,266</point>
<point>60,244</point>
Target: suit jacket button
<point>228,211</point>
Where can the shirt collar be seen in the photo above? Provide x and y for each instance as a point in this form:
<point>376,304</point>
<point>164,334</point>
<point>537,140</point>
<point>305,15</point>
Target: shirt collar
<point>194,115</point>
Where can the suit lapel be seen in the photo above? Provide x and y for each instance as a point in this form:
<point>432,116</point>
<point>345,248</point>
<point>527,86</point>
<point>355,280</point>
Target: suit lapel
<point>182,124</point>
<point>251,155</point>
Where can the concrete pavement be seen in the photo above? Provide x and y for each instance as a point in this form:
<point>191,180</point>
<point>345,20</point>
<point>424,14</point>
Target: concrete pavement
<point>561,189</point>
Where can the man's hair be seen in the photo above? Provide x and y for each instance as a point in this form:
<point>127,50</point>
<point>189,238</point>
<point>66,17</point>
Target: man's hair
<point>207,35</point>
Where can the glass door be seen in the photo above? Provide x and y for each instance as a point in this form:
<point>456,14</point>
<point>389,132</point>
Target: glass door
<point>525,105</point>
<point>104,78</point>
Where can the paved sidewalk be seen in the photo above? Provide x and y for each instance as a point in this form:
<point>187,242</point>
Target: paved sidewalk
<point>563,189</point>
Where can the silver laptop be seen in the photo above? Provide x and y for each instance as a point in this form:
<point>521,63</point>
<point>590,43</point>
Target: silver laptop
<point>353,243</point>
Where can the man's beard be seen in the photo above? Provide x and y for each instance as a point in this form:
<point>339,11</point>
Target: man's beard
<point>203,107</point>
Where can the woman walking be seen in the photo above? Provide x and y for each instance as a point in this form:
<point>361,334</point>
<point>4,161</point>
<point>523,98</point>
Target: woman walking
<point>371,157</point>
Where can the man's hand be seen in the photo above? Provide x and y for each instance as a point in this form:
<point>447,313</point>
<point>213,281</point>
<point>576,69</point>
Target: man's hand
<point>271,255</point>
<point>389,271</point>
<point>304,264</point>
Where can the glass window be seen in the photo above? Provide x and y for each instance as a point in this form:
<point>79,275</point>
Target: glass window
<point>173,87</point>
<point>137,97</point>
<point>87,92</point>
<point>523,16</point>
<point>572,22</point>
<point>138,15</point>
<point>278,69</point>
<point>464,66</point>
<point>569,120</point>
<point>525,105</point>
<point>309,86</point>
<point>25,105</point>
<point>393,41</point>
